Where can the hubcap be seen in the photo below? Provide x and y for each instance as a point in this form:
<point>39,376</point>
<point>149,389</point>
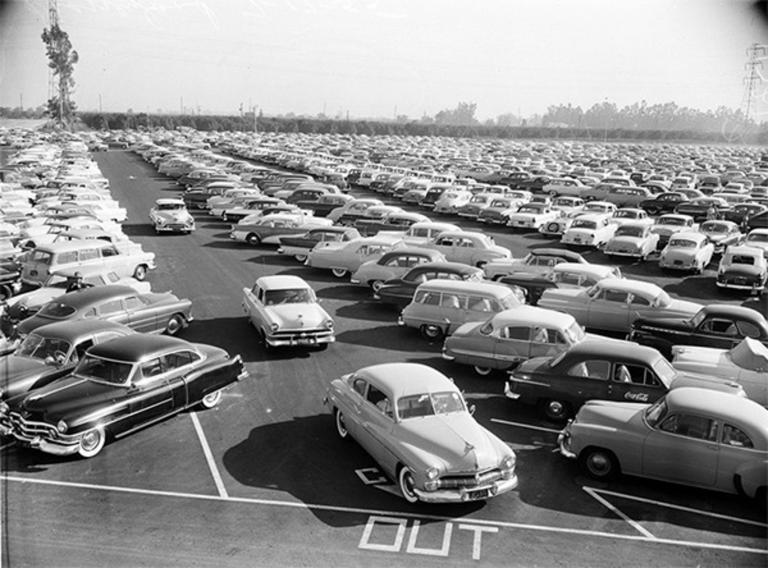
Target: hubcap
<point>599,464</point>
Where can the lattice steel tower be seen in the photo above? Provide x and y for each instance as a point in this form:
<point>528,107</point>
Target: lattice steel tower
<point>755,82</point>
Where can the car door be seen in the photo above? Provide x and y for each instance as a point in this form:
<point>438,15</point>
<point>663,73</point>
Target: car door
<point>152,393</point>
<point>113,310</point>
<point>512,344</point>
<point>377,421</point>
<point>683,447</point>
<point>634,383</point>
<point>141,316</point>
<point>253,304</point>
<point>582,380</point>
<point>609,310</point>
<point>546,342</point>
<point>186,390</point>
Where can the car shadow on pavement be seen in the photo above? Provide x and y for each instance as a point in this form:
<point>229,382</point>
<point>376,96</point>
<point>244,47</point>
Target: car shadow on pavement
<point>345,292</point>
<point>305,458</point>
<point>24,460</point>
<point>139,229</point>
<point>698,288</point>
<point>390,337</point>
<point>368,311</point>
<point>222,244</point>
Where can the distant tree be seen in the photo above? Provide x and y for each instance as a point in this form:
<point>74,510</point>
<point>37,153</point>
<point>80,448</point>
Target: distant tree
<point>61,59</point>
<point>462,115</point>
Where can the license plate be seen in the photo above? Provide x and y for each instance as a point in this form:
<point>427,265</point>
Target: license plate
<point>740,280</point>
<point>678,262</point>
<point>478,494</point>
<point>305,341</point>
<point>576,240</point>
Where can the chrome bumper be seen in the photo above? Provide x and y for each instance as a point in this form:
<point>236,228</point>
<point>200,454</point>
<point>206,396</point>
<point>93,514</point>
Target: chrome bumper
<point>466,495</point>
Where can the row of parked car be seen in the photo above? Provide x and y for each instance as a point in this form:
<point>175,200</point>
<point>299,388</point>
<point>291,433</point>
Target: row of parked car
<point>83,361</point>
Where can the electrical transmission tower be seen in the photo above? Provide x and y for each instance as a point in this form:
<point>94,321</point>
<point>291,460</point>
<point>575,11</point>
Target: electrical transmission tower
<point>755,82</point>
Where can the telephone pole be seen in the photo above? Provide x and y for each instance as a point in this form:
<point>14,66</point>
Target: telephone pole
<point>754,80</point>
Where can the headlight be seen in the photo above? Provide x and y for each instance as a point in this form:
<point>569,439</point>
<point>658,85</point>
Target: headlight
<point>274,326</point>
<point>508,462</point>
<point>329,324</point>
<point>432,473</point>
<point>62,426</point>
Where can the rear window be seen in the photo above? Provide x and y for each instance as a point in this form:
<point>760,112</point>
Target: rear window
<point>41,257</point>
<point>742,259</point>
<point>56,310</point>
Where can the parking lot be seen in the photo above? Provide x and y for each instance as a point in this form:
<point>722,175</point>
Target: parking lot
<point>263,480</point>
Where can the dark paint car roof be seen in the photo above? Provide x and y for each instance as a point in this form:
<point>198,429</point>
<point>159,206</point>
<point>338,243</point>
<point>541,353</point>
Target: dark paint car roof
<point>457,267</point>
<point>139,346</point>
<point>572,256</point>
<point>731,310</point>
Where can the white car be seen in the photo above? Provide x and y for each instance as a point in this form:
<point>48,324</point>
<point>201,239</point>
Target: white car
<point>171,216</point>
<point>558,226</point>
<point>631,215</point>
<point>346,257</point>
<point>671,223</point>
<point>589,231</point>
<point>532,216</point>
<point>687,250</point>
<point>746,364</point>
<point>632,240</point>
<point>285,312</point>
<point>758,238</point>
<point>566,204</point>
<point>450,201</point>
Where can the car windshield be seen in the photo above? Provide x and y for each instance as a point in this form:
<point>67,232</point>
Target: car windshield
<point>676,221</point>
<point>656,413</point>
<point>628,231</point>
<point>584,224</point>
<point>104,370</point>
<point>56,310</point>
<point>595,207</point>
<point>741,259</point>
<point>664,370</point>
<point>529,209</point>
<point>682,243</point>
<point>288,296</point>
<point>574,333</point>
<point>42,348</point>
<point>625,214</point>
<point>429,404</point>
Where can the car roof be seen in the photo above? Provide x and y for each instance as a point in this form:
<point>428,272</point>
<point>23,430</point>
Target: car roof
<point>629,285</point>
<point>87,296</point>
<point>74,244</point>
<point>744,249</point>
<point>404,379</point>
<point>584,267</point>
<point>615,349</point>
<point>432,253</point>
<point>559,252</point>
<point>138,346</point>
<point>447,265</point>
<point>169,201</point>
<point>498,290</point>
<point>691,235</point>
<point>533,315</point>
<point>76,328</point>
<point>281,282</point>
<point>720,404</point>
<point>733,310</point>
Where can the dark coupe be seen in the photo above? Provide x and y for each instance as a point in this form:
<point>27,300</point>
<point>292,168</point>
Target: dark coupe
<point>118,387</point>
<point>717,325</point>
<point>399,291</point>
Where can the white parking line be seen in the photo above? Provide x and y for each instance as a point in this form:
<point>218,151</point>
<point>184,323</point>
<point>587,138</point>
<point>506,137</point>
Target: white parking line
<point>8,445</point>
<point>209,457</point>
<point>521,425</point>
<point>410,515</point>
<point>634,524</point>
<point>679,507</point>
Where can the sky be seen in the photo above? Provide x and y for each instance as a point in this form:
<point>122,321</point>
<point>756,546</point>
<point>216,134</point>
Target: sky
<point>381,58</point>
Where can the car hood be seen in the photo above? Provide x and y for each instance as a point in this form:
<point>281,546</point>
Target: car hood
<point>69,398</point>
<point>18,371</point>
<point>456,439</point>
<point>608,414</point>
<point>690,358</point>
<point>298,315</point>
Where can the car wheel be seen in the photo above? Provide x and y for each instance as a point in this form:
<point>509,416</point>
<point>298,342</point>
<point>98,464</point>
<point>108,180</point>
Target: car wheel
<point>376,285</point>
<point>599,463</point>
<point>341,426</point>
<point>406,484</point>
<point>483,371</point>
<point>481,263</point>
<point>253,240</point>
<point>174,324</point>
<point>92,442</point>
<point>431,332</point>
<point>339,272</point>
<point>300,257</point>
<point>553,227</point>
<point>211,399</point>
<point>5,292</point>
<point>140,273</point>
<point>556,410</point>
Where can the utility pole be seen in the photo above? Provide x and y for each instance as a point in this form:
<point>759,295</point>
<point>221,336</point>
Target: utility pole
<point>99,103</point>
<point>753,78</point>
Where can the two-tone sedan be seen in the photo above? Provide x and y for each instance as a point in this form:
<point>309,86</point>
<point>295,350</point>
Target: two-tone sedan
<point>538,261</point>
<point>268,229</point>
<point>393,264</point>
<point>511,336</point>
<point>589,231</point>
<point>298,246</point>
<point>532,216</point>
<point>116,388</point>
<point>687,250</point>
<point>562,275</point>
<point>598,369</point>
<point>147,313</point>
<point>346,257</point>
<point>691,436</point>
<point>285,312</point>
<point>171,216</point>
<point>722,234</point>
<point>633,240</point>
<point>415,423</point>
<point>614,304</point>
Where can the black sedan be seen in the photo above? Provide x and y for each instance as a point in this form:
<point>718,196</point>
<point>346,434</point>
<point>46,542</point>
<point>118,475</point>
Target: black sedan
<point>717,325</point>
<point>742,212</point>
<point>663,203</point>
<point>399,291</point>
<point>118,387</point>
<point>703,208</point>
<point>149,313</point>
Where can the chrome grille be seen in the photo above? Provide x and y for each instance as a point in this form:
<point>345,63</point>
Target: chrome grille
<point>30,428</point>
<point>477,480</point>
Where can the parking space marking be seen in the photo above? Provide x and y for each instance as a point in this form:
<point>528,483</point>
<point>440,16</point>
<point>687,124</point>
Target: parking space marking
<point>209,457</point>
<point>362,511</point>
<point>8,445</point>
<point>634,524</point>
<point>679,507</point>
<point>521,425</point>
